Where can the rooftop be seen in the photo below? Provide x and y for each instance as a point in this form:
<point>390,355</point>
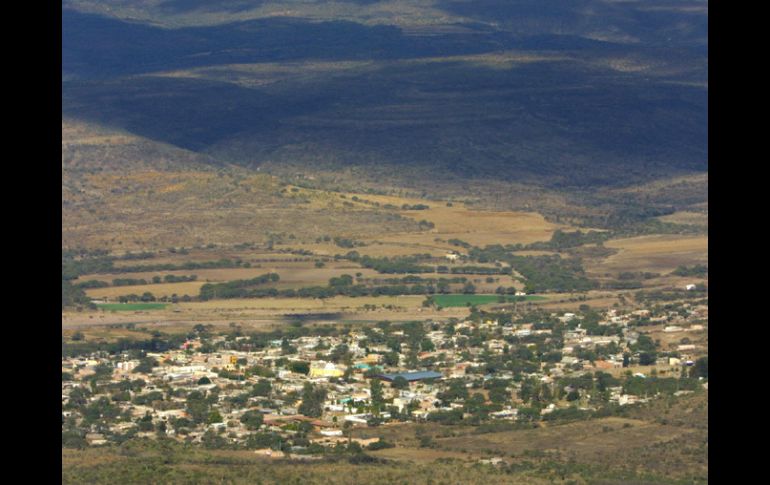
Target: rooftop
<point>412,376</point>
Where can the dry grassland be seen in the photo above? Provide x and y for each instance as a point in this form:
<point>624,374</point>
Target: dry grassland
<point>658,253</point>
<point>561,301</point>
<point>151,209</point>
<point>317,304</point>
<point>584,439</point>
<point>103,333</point>
<point>191,288</point>
<point>687,217</point>
<point>478,227</point>
<point>422,455</point>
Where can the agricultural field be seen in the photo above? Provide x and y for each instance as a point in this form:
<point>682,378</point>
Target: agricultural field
<point>160,290</point>
<point>262,313</point>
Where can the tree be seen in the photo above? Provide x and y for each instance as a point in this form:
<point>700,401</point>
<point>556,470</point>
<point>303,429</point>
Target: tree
<point>300,367</point>
<point>400,383</point>
<point>262,388</point>
<point>103,371</point>
<point>701,368</point>
<point>392,358</point>
<point>312,401</point>
<point>197,407</point>
<point>375,386</point>
<point>347,427</point>
<point>145,423</point>
<point>212,440</point>
<point>252,419</point>
<point>145,365</point>
<point>455,391</point>
<point>647,358</point>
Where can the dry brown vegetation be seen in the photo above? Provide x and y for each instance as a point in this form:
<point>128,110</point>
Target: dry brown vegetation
<point>687,217</point>
<point>657,253</point>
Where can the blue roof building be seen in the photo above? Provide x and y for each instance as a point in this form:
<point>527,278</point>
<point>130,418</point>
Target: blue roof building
<point>412,376</point>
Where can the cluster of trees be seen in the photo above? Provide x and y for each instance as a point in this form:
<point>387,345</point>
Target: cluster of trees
<point>128,282</point>
<point>144,297</point>
<point>565,240</point>
<point>235,288</point>
<point>131,256</point>
<point>425,224</point>
<point>669,295</point>
<point>455,416</point>
<point>342,285</point>
<point>697,270</point>
<point>543,273</point>
<point>169,278</point>
<point>72,295</point>
<point>72,268</point>
<point>650,386</point>
<point>92,284</point>
<point>344,242</point>
<point>188,265</point>
<point>404,264</point>
<point>418,279</point>
<point>460,243</point>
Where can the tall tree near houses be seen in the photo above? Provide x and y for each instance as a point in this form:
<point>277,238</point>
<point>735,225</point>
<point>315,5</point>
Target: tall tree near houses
<point>375,386</point>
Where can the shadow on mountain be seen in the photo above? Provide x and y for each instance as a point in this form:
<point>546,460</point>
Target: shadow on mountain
<point>100,47</point>
<point>230,6</point>
<point>651,22</point>
<point>557,121</point>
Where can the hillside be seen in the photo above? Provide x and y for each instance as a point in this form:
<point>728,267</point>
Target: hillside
<point>123,192</point>
<point>434,96</point>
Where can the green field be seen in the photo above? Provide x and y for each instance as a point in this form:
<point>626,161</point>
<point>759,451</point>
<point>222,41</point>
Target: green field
<point>126,307</point>
<point>464,300</point>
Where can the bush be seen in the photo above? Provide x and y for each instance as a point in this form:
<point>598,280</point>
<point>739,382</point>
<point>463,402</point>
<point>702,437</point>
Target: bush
<point>379,445</point>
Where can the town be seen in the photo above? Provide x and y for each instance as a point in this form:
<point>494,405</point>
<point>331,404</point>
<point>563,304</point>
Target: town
<point>302,391</point>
